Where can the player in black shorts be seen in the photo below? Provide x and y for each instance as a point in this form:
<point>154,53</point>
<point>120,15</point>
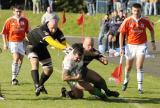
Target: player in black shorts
<point>89,75</point>
<point>39,38</point>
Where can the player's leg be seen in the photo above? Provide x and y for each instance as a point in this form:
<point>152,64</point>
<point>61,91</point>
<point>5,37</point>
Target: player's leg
<point>46,62</point>
<point>83,85</point>
<point>128,67</point>
<point>130,55</point>
<point>140,57</point>
<point>21,51</point>
<point>99,83</point>
<point>74,93</point>
<point>140,72</point>
<point>16,55</point>
<point>34,60</point>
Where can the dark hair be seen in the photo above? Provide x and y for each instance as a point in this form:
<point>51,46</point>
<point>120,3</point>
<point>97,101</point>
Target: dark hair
<point>78,49</point>
<point>17,7</point>
<point>137,5</point>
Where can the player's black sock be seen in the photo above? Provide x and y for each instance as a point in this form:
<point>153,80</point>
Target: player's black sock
<point>102,84</point>
<point>43,79</point>
<point>70,94</point>
<point>98,93</point>
<point>35,76</point>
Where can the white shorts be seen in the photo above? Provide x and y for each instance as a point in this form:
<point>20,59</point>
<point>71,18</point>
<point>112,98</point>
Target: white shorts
<point>131,51</point>
<point>17,47</point>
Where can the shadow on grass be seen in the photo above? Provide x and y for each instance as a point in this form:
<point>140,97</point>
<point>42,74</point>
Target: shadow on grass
<point>144,100</point>
<point>39,98</point>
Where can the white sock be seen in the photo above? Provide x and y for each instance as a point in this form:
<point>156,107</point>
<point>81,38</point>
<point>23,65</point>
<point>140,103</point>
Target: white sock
<point>14,70</point>
<point>140,76</point>
<point>126,76</point>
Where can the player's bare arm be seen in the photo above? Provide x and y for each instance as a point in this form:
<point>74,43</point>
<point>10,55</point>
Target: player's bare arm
<point>67,77</point>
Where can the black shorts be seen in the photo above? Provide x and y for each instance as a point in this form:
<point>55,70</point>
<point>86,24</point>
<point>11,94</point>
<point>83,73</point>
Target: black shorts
<point>84,72</point>
<point>39,51</point>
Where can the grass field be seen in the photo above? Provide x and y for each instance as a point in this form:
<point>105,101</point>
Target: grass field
<point>91,28</point>
<point>23,96</point>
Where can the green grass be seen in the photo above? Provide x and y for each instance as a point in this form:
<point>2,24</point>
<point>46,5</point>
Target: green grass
<point>91,28</point>
<point>23,96</point>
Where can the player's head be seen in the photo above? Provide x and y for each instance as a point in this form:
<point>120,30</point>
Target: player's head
<point>77,52</point>
<point>88,44</point>
<point>136,10</point>
<point>49,10</point>
<point>53,24</point>
<point>17,11</point>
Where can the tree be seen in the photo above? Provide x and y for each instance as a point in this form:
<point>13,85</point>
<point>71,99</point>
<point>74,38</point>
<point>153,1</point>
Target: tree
<point>70,5</point>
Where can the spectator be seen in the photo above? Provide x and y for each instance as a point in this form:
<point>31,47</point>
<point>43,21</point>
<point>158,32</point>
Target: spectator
<point>36,6</point>
<point>44,4</point>
<point>49,15</point>
<point>124,5</point>
<point>116,5</point>
<point>91,7</point>
<point>146,7</point>
<point>103,34</point>
<point>153,7</point>
<point>28,4</point>
<point>113,29</point>
<point>51,2</point>
<point>109,6</point>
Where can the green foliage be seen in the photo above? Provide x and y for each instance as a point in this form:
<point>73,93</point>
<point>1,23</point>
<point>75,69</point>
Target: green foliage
<point>70,5</point>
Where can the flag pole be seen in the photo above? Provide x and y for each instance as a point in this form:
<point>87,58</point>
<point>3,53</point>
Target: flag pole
<point>83,26</point>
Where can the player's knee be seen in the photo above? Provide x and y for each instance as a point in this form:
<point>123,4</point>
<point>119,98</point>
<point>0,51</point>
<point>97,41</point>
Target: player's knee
<point>79,95</point>
<point>48,70</point>
<point>128,67</point>
<point>140,69</point>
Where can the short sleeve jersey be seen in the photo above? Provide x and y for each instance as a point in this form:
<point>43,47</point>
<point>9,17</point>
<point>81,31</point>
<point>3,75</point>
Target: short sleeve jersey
<point>37,35</point>
<point>15,29</point>
<point>71,66</point>
<point>135,30</point>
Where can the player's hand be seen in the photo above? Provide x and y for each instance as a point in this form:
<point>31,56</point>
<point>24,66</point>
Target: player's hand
<point>79,76</point>
<point>104,60</point>
<point>121,51</point>
<point>153,46</point>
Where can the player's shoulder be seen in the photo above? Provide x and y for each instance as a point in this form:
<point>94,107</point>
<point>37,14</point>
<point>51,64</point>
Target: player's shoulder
<point>9,19</point>
<point>128,19</point>
<point>145,19</point>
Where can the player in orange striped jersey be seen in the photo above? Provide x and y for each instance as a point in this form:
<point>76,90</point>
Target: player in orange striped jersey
<point>14,31</point>
<point>134,27</point>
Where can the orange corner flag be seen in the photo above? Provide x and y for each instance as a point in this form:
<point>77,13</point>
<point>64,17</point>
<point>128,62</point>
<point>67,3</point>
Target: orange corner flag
<point>80,20</point>
<point>117,73</point>
<point>63,18</point>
